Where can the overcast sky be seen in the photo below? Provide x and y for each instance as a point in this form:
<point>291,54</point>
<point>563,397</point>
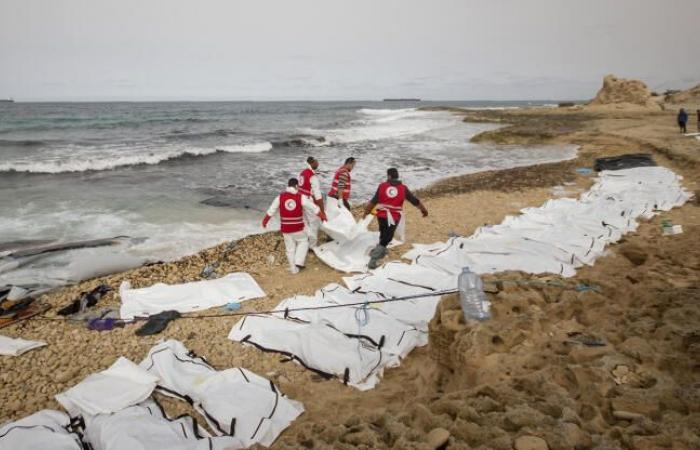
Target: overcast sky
<point>331,49</point>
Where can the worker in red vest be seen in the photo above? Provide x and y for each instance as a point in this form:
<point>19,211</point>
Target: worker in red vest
<point>389,200</point>
<point>340,188</point>
<point>291,205</point>
<point>310,186</point>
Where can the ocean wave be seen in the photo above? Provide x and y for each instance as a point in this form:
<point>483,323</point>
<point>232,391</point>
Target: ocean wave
<point>70,123</point>
<point>109,162</point>
<point>259,147</point>
<point>22,143</point>
<point>378,124</point>
<point>184,134</point>
<point>302,141</point>
<point>386,112</point>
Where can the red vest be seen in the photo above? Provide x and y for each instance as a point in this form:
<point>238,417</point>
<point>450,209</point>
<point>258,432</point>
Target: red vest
<point>391,198</point>
<point>291,213</point>
<point>345,193</point>
<point>305,181</point>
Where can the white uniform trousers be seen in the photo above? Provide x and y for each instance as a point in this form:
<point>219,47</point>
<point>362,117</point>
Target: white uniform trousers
<point>297,245</point>
<point>311,225</point>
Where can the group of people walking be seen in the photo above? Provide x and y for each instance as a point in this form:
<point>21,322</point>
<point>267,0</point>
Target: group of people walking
<point>683,120</point>
<point>301,209</point>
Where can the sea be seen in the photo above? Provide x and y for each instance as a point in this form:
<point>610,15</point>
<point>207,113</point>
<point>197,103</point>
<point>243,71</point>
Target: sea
<point>173,178</point>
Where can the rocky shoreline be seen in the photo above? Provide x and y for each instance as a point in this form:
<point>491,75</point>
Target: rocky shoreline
<point>513,381</point>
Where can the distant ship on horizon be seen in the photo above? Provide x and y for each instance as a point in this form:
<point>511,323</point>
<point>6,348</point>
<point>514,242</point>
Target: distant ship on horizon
<point>401,100</point>
<point>6,100</point>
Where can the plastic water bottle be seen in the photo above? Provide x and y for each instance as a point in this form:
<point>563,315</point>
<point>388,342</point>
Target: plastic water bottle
<point>472,298</point>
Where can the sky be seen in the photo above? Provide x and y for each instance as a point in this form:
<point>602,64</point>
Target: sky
<point>92,50</point>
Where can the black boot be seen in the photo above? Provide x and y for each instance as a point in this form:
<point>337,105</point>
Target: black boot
<point>375,256</point>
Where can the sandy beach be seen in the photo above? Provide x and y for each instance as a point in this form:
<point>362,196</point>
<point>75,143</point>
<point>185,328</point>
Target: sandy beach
<point>526,374</point>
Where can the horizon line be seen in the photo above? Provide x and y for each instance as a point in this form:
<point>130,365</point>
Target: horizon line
<point>543,100</point>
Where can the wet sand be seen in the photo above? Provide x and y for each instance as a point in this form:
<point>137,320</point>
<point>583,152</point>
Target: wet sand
<point>530,371</point>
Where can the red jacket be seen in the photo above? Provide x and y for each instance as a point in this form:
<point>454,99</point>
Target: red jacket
<point>391,198</point>
<point>345,192</point>
<point>291,212</point>
<point>305,181</point>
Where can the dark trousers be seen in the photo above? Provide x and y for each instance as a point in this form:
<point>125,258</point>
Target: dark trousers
<point>682,127</point>
<point>386,231</point>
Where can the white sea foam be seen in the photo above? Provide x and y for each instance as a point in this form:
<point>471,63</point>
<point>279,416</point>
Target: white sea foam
<point>165,239</point>
<point>386,112</point>
<point>259,147</point>
<point>95,161</point>
<point>379,124</point>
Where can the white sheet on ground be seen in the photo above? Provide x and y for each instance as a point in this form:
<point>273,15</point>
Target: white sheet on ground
<point>316,346</point>
<point>17,346</point>
<point>235,401</point>
<point>187,297</point>
<point>341,225</point>
<point>558,237</point>
<point>397,279</point>
<point>351,255</point>
<point>416,313</point>
<point>46,429</point>
<point>145,427</point>
<point>348,256</point>
<point>122,384</point>
<point>397,338</point>
<point>563,234</point>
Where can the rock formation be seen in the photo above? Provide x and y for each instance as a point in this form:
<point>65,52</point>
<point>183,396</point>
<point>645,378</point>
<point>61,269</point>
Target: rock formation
<point>624,93</point>
<point>689,96</point>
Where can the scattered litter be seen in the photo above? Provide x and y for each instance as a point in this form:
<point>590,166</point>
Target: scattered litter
<point>628,161</point>
<point>11,307</point>
<point>17,293</point>
<point>104,324</point>
<point>585,339</point>
<point>584,287</point>
<point>157,323</point>
<point>233,306</point>
<point>584,170</point>
<point>210,269</point>
<point>29,309</point>
<point>16,346</point>
<point>86,300</point>
<point>106,312</point>
<point>669,229</point>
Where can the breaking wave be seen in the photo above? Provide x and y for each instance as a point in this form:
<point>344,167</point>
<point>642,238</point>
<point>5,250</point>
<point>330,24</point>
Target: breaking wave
<point>112,161</point>
<point>379,124</point>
